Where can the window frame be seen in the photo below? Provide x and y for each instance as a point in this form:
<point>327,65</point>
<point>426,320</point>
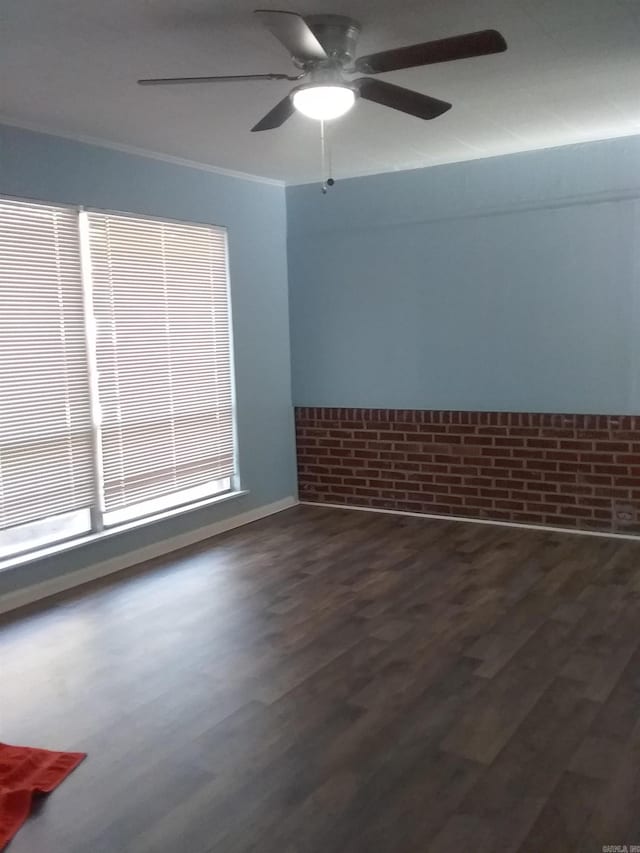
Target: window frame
<point>100,528</point>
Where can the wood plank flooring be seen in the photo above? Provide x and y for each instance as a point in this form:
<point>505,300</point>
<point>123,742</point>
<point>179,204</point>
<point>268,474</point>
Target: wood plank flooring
<point>327,681</point>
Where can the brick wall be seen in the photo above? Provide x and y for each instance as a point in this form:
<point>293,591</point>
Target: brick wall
<point>578,471</point>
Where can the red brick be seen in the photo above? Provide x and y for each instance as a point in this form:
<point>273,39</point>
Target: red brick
<point>509,483</point>
<point>518,495</point>
<point>415,437</point>
<point>461,429</point>
<point>455,500</point>
<point>584,446</point>
<point>467,470</point>
<point>463,490</point>
<point>628,458</point>
<point>532,475</point>
<point>476,501</point>
<point>596,479</point>
<point>559,477</point>
<point>612,446</point>
<point>372,483</point>
<point>596,458</point>
<point>561,499</point>
<point>494,493</point>
<point>541,465</point>
<point>433,468</point>
<point>541,486</point>
<point>437,488</point>
<point>359,490</point>
<point>546,508</point>
<point>509,505</point>
<point>510,463</point>
<point>404,447</point>
<point>618,470</point>
<point>595,502</point>
<point>479,481</point>
<point>468,453</point>
<point>562,455</point>
<point>627,481</point>
<point>392,454</point>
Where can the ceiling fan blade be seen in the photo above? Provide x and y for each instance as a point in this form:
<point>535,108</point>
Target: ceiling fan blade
<point>162,81</point>
<point>294,33</point>
<point>399,98</point>
<point>444,50</point>
<point>277,116</point>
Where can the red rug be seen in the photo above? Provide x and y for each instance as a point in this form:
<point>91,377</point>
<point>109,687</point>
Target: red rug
<point>25,772</point>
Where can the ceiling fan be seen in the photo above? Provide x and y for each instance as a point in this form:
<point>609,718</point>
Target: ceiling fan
<point>323,48</point>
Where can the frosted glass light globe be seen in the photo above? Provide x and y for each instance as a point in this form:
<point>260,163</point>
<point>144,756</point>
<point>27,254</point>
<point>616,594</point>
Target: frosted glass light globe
<point>324,102</point>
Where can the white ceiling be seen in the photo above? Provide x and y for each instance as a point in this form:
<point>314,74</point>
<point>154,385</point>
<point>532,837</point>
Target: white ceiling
<point>572,73</point>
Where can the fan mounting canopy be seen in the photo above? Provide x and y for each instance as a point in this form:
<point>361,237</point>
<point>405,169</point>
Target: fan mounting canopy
<point>337,34</point>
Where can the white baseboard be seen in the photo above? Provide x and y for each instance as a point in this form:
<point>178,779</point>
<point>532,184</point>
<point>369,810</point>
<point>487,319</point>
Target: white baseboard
<point>36,592</point>
<point>496,523</point>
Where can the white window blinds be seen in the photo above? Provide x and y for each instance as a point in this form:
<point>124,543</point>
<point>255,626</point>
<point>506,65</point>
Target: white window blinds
<point>45,414</point>
<point>161,305</point>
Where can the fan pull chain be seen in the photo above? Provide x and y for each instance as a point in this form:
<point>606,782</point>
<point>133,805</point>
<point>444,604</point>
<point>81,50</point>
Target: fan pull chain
<point>325,154</point>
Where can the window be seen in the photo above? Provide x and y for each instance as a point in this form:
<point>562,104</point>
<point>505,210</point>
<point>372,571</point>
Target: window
<point>163,358</point>
<point>116,392</point>
<point>46,485</point>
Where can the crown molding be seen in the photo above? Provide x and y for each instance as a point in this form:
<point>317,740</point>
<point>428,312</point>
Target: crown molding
<point>35,127</point>
<point>471,158</point>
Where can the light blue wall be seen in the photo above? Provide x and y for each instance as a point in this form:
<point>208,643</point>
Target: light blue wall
<point>511,283</point>
<point>53,169</point>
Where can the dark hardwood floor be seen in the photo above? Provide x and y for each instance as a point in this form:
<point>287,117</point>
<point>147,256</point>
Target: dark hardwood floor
<point>327,681</point>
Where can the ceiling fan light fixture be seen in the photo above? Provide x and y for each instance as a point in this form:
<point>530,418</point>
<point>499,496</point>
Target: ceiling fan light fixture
<point>324,103</point>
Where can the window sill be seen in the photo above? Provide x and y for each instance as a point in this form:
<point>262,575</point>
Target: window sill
<point>90,538</point>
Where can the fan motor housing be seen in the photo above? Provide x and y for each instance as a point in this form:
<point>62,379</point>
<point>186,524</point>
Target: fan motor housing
<point>337,34</point>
